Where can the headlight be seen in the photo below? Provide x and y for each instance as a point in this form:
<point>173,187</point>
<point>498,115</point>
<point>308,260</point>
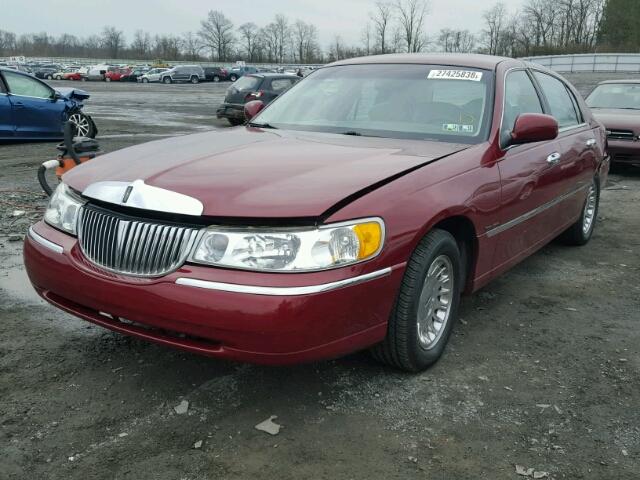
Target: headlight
<point>63,209</point>
<point>285,250</point>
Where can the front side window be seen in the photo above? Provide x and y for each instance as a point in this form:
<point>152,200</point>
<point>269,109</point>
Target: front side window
<point>280,84</point>
<point>389,100</point>
<point>520,97</point>
<point>615,95</point>
<point>558,97</point>
<point>26,86</point>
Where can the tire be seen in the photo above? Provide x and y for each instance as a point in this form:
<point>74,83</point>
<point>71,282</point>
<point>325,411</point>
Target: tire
<point>581,232</point>
<point>83,124</point>
<point>83,79</point>
<point>436,263</point>
<point>216,78</point>
<point>194,80</point>
<point>233,78</point>
<point>235,122</point>
<point>145,80</point>
<point>49,77</point>
<point>166,80</point>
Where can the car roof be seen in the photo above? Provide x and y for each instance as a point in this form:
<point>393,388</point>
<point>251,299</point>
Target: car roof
<point>472,60</point>
<point>611,82</point>
<point>271,75</point>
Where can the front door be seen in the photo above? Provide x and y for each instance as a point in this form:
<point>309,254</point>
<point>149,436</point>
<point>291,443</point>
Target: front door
<point>7,125</point>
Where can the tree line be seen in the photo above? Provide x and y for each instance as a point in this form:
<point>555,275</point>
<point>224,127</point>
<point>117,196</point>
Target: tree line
<point>539,27</point>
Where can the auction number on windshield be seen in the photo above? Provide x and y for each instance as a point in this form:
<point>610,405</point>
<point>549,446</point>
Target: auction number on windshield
<point>456,75</point>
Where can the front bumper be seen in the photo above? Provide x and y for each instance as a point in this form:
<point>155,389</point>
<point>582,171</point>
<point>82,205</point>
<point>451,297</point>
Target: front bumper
<point>194,308</point>
<point>624,151</point>
<point>234,111</point>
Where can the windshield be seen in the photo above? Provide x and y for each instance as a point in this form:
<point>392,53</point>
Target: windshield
<point>397,101</point>
<point>615,95</point>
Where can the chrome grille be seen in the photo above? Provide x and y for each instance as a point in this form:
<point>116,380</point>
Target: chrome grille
<point>620,134</point>
<point>133,247</point>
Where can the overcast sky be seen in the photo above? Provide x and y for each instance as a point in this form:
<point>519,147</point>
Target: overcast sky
<point>332,17</point>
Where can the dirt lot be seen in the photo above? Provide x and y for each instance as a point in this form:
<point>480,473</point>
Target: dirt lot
<point>543,371</point>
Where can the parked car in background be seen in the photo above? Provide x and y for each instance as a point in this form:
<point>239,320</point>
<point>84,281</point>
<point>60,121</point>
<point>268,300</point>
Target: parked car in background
<point>96,73</point>
<point>152,75</point>
<point>32,110</point>
<point>45,72</point>
<point>350,213</point>
<point>76,75</point>
<point>115,74</point>
<point>239,71</point>
<point>616,103</point>
<point>215,74</point>
<point>133,75</point>
<point>183,73</point>
<point>258,86</point>
<point>60,74</point>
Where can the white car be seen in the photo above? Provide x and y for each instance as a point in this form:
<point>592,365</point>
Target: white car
<point>152,75</point>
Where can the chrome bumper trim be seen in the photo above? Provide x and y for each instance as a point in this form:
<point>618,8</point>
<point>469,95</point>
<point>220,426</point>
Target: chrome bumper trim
<point>282,291</point>
<point>44,242</point>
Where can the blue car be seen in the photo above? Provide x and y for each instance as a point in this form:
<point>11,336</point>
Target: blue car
<point>32,110</point>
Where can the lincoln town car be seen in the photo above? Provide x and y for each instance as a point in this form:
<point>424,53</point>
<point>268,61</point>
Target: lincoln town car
<point>349,214</point>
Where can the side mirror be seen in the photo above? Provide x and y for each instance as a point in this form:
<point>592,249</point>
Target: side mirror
<point>55,96</point>
<point>251,109</point>
<point>533,127</point>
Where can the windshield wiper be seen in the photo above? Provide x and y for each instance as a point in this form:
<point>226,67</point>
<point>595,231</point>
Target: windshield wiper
<point>353,133</point>
<point>262,125</point>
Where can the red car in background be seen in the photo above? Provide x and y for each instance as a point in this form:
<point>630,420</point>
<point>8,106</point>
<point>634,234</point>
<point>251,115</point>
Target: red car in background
<point>115,74</point>
<point>350,213</point>
<point>74,76</point>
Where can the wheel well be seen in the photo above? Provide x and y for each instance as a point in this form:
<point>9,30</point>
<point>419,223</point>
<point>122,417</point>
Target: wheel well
<point>462,229</point>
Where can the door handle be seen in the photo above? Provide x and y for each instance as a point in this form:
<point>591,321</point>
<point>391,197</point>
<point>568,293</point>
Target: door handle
<point>18,105</point>
<point>591,143</point>
<point>553,158</point>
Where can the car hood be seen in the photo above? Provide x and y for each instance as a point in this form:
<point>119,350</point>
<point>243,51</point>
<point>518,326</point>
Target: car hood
<point>73,93</point>
<point>618,118</point>
<point>248,172</point>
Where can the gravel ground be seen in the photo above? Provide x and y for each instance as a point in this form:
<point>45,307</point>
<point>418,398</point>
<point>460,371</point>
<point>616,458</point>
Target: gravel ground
<point>542,372</point>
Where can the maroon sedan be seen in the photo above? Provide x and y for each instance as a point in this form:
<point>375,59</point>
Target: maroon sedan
<point>350,213</point>
<point>616,103</point>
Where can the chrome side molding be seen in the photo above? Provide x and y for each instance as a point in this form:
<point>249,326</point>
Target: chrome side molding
<point>138,194</point>
<point>282,291</point>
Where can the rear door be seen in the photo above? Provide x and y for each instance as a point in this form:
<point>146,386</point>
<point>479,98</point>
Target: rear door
<point>531,179</point>
<point>577,146</point>
<point>7,126</point>
<point>35,112</point>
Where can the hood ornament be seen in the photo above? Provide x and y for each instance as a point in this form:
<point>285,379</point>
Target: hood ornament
<point>138,194</point>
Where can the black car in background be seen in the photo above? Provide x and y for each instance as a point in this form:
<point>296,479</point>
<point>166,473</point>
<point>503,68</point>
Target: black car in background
<point>45,72</point>
<point>257,86</point>
<point>215,74</point>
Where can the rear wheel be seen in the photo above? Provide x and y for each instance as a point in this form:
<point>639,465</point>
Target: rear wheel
<point>194,79</point>
<point>233,78</point>
<point>580,232</point>
<point>216,78</point>
<point>166,80</point>
<point>426,307</point>
<point>107,79</point>
<point>145,80</point>
<point>49,77</point>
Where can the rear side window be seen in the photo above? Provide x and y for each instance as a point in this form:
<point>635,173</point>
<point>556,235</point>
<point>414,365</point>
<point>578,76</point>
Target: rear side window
<point>280,84</point>
<point>520,97</point>
<point>560,102</point>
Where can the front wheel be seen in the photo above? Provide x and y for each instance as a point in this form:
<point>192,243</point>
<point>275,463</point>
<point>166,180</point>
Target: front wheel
<point>166,80</point>
<point>107,79</point>
<point>233,78</point>
<point>49,77</point>
<point>580,232</point>
<point>83,126</point>
<point>216,78</point>
<point>194,80</point>
<point>426,307</point>
<point>145,80</point>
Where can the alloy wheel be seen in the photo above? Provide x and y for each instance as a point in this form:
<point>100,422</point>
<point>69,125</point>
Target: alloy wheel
<point>81,124</point>
<point>435,302</point>
<point>589,209</point>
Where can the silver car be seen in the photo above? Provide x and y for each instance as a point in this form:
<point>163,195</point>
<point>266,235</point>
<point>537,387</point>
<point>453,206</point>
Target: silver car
<point>152,75</point>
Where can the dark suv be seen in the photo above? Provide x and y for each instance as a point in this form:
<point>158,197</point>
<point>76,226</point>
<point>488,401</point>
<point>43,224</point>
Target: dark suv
<point>258,86</point>
<point>183,73</point>
<point>237,72</point>
<point>215,74</point>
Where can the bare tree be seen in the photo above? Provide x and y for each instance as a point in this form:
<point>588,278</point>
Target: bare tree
<point>112,41</point>
<point>281,30</point>
<point>456,41</point>
<point>494,19</point>
<point>141,44</point>
<point>381,19</point>
<point>367,38</point>
<point>304,40</point>
<point>411,14</point>
<point>191,46</point>
<point>8,42</point>
<point>249,33</point>
<point>217,35</point>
